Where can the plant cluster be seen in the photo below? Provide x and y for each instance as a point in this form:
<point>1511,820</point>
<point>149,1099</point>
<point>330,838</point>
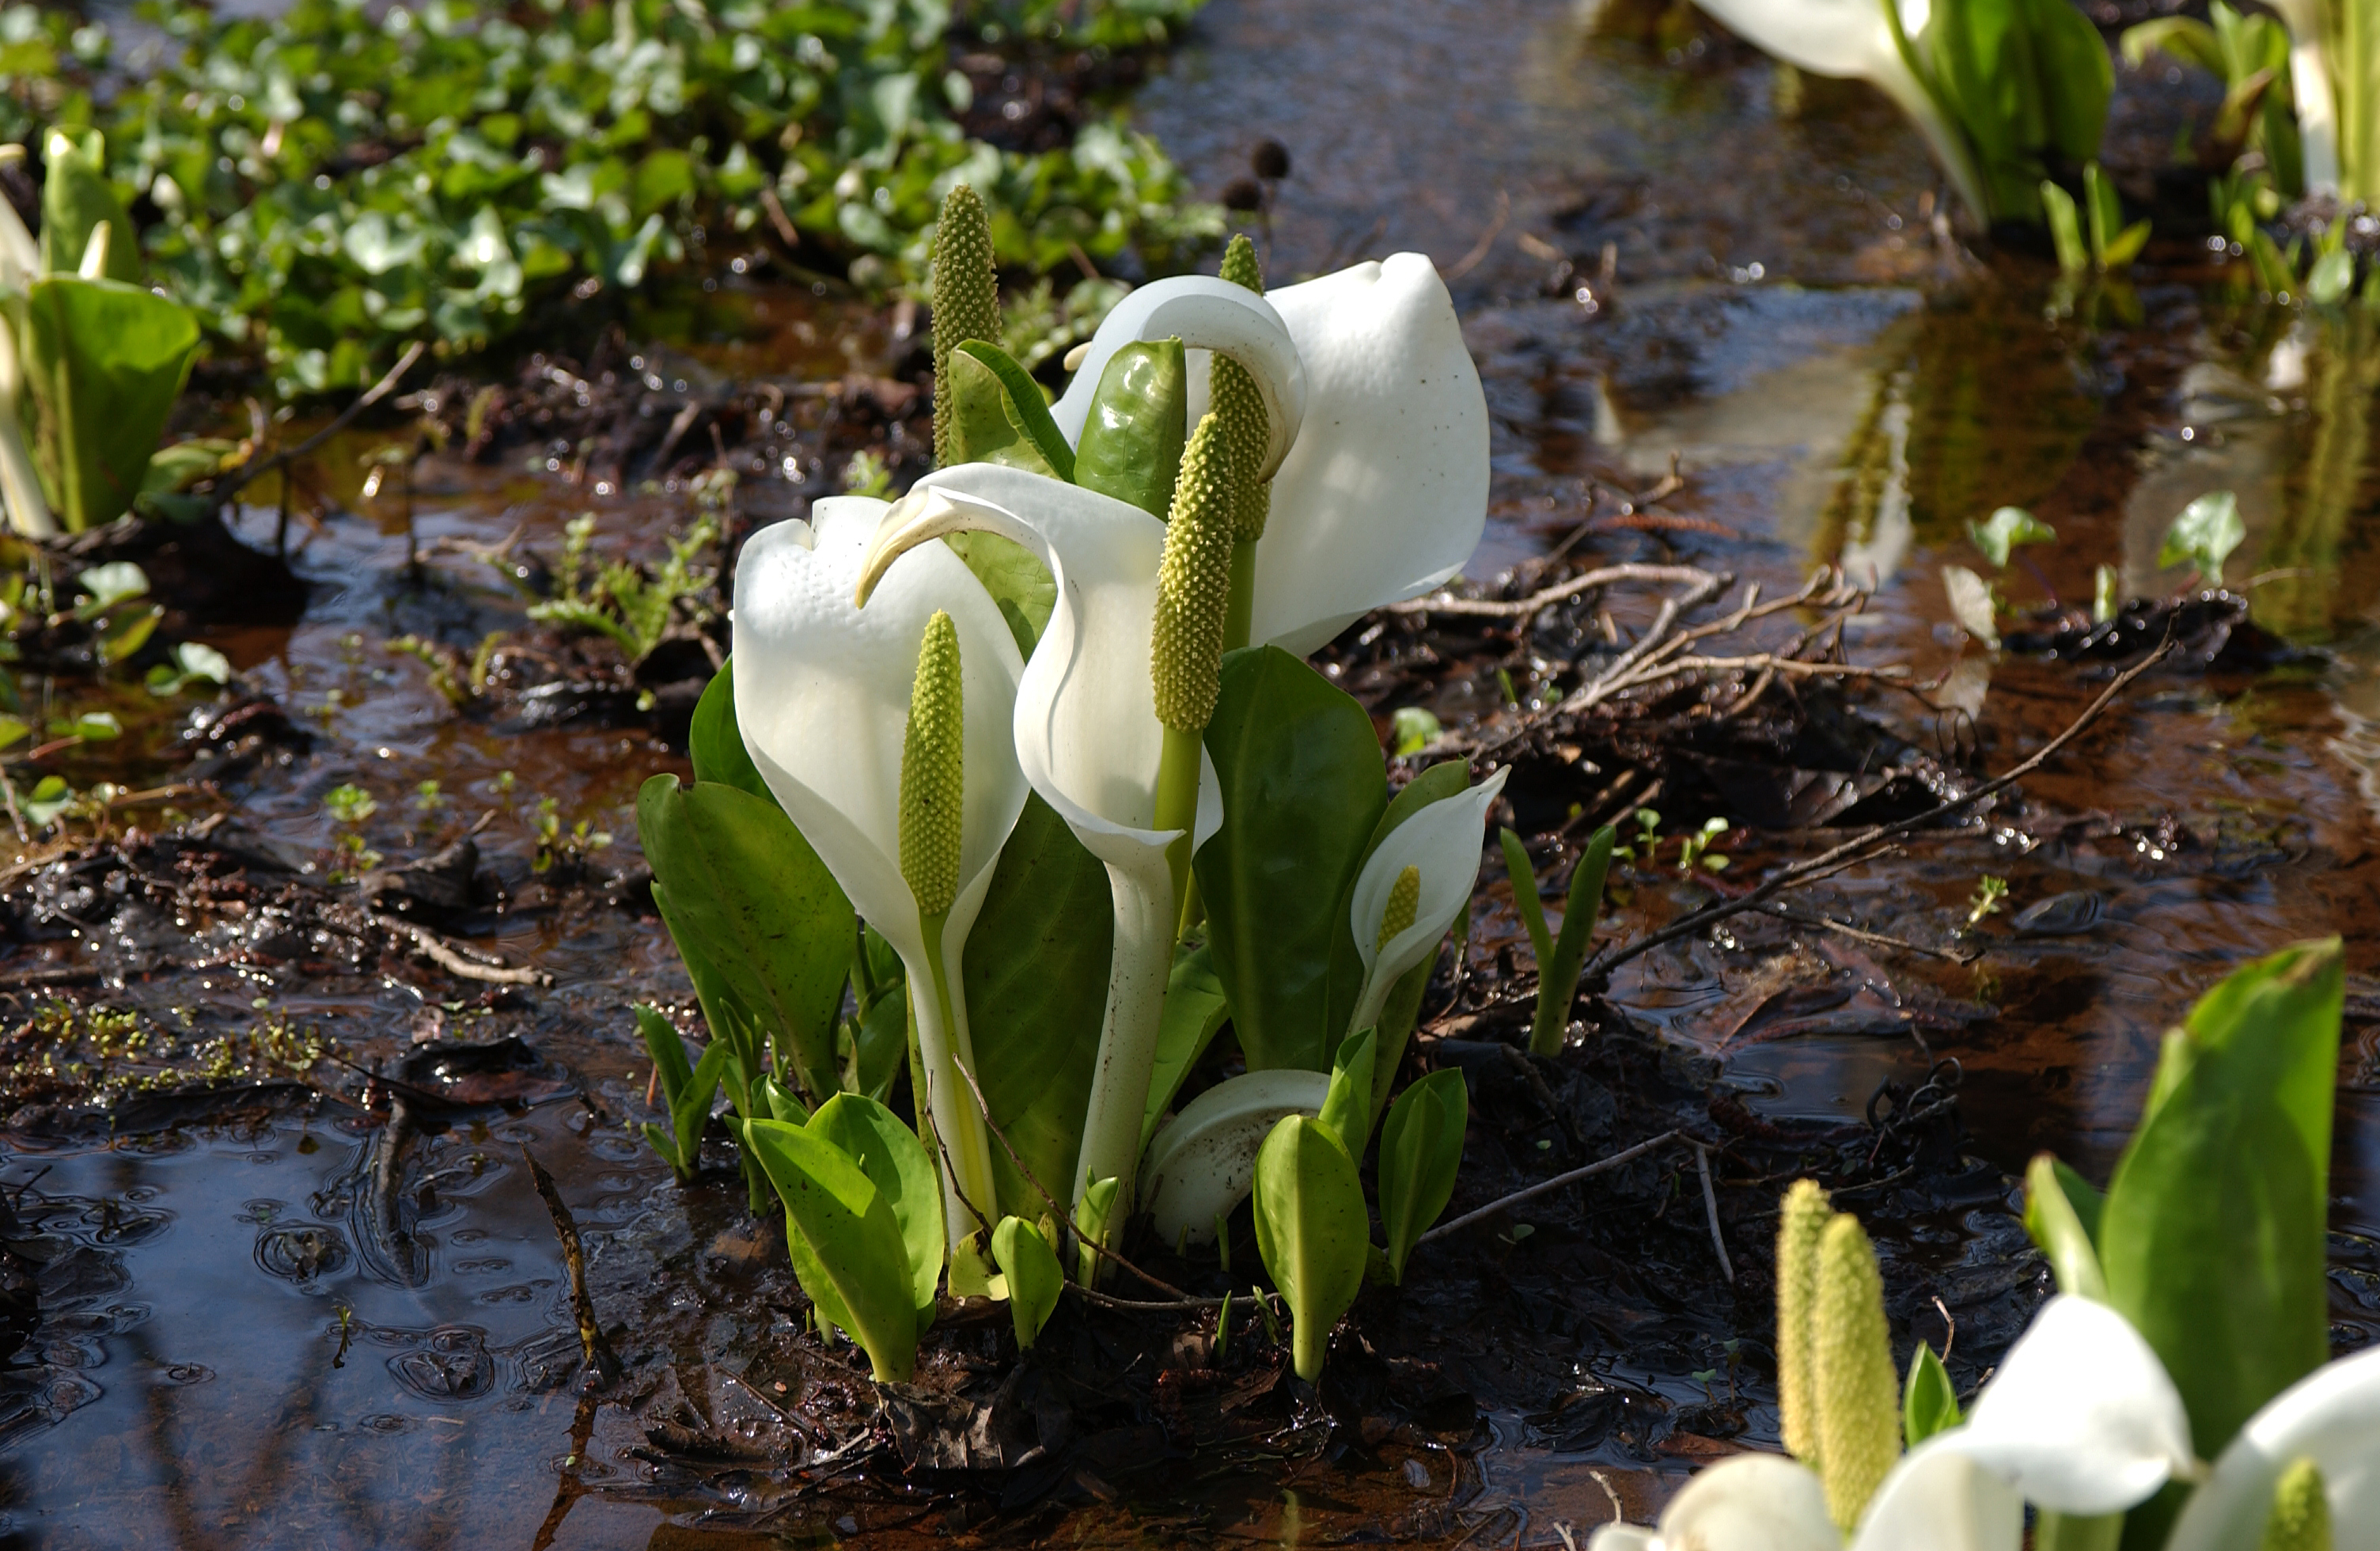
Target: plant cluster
<point>2013,94</point>
<point>334,180</point>
<point>1045,727</point>
<point>2190,1324</point>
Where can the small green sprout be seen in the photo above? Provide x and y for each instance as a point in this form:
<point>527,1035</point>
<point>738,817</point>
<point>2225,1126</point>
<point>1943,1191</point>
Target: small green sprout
<point>1985,901</point>
<point>1696,853</point>
<point>348,804</point>
<point>1415,729</point>
<point>868,475</point>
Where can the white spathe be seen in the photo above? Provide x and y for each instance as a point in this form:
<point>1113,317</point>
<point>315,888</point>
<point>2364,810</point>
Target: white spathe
<point>2331,1416</point>
<point>1383,490</point>
<point>1442,843</point>
<point>1088,739</point>
<point>1936,1499</point>
<point>2082,1418</point>
<point>1855,38</point>
<point>2317,108</point>
<point>822,698</point>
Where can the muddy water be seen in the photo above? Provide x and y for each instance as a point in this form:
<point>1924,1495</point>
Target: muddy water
<point>261,1336</point>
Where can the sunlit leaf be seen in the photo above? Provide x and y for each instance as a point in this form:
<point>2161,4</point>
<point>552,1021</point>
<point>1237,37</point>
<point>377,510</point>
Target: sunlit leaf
<point>1311,1232</point>
<point>1347,1108</point>
<point>1928,1403</point>
<point>1030,1268</point>
<point>890,1154</point>
<point>857,1266</point>
<point>104,361</point>
<point>2006,529</point>
<point>1421,1152</point>
<point>1194,1010</point>
<point>1131,446</point>
<point>2204,535</point>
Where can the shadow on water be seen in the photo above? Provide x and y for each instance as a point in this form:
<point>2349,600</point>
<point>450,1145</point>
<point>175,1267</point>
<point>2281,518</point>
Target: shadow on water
<point>318,1326</point>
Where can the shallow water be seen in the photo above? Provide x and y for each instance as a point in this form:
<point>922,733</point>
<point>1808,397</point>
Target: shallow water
<point>1834,385</point>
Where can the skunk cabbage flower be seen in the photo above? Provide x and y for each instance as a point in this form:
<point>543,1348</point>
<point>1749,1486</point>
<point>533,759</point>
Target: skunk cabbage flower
<point>1440,845</point>
<point>1380,474</point>
<point>1857,39</point>
<point>822,697</point>
<point>1085,735</point>
<point>2082,1420</point>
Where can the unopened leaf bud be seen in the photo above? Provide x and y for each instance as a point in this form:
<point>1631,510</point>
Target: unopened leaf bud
<point>1193,585</point>
<point>933,772</point>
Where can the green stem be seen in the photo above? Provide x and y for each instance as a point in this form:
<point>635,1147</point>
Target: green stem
<point>964,1149</point>
<point>1239,615</point>
<point>1177,803</point>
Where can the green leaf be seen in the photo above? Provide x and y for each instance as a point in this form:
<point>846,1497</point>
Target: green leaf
<point>2066,234</point>
<point>2186,37</point>
<point>667,1048</point>
<point>1525,902</point>
<point>2062,1215</point>
<point>119,581</point>
<point>1092,1225</point>
<point>198,661</point>
<point>1016,580</point>
<point>1303,784</point>
<point>50,796</point>
<point>1558,976</point>
<point>1421,1151</point>
<point>75,197</point>
<point>1928,1403</point>
<point>982,429</point>
<point>850,1256</point>
<point>104,362</point>
<point>2006,529</point>
<point>1036,977</point>
<point>890,1156</point>
<point>2204,535</point>
<point>1025,407</point>
<point>1195,1009</point>
<point>2078,79</point>
<point>1131,446</point>
<point>1347,1106</point>
<point>756,916</point>
<point>1311,1230</point>
<point>772,1100</point>
<point>1030,1268</point>
<point>716,742</point>
<point>14,730</point>
<point>1413,729</point>
<point>2212,1238</point>
<point>880,1044</point>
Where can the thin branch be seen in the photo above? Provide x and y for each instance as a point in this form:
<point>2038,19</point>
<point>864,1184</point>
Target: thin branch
<point>1536,602</point>
<point>1835,858</point>
<point>1861,933</point>
<point>438,951</point>
<point>1710,1211</point>
<point>1503,1204</point>
<point>371,396</point>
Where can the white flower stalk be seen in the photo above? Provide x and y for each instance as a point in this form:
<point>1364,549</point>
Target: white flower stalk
<point>822,696</point>
<point>1088,740</point>
<point>1380,490</point>
<point>1859,39</point>
<point>1442,844</point>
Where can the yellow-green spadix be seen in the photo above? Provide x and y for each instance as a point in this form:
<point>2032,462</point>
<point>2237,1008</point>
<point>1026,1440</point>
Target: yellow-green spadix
<point>1440,846</point>
<point>824,692</point>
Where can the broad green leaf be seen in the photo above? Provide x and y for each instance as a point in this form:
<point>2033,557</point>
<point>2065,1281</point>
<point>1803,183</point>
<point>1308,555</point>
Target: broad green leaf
<point>982,429</point>
<point>1036,977</point>
<point>1030,1268</point>
<point>879,1043</point>
<point>1347,1107</point>
<point>1131,446</point>
<point>75,197</point>
<point>1928,1403</point>
<point>2186,37</point>
<point>1304,785</point>
<point>2211,1237</point>
<point>1558,976</point>
<point>716,743</point>
<point>2000,534</point>
<point>858,1269</point>
<point>772,1100</point>
<point>2077,78</point>
<point>104,361</point>
<point>1017,581</point>
<point>2204,535</point>
<point>2062,1214</point>
<point>756,916</point>
<point>1025,407</point>
<point>1440,782</point>
<point>1421,1151</point>
<point>1195,1009</point>
<point>890,1154</point>
<point>1311,1230</point>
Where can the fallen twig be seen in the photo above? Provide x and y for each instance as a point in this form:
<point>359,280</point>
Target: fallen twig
<point>1835,858</point>
<point>598,1352</point>
<point>1506,1202</point>
<point>1710,1211</point>
<point>346,417</point>
<point>1861,933</point>
<point>1521,608</point>
<point>438,951</point>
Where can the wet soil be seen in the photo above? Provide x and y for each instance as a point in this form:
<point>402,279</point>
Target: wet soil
<point>326,1306</point>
